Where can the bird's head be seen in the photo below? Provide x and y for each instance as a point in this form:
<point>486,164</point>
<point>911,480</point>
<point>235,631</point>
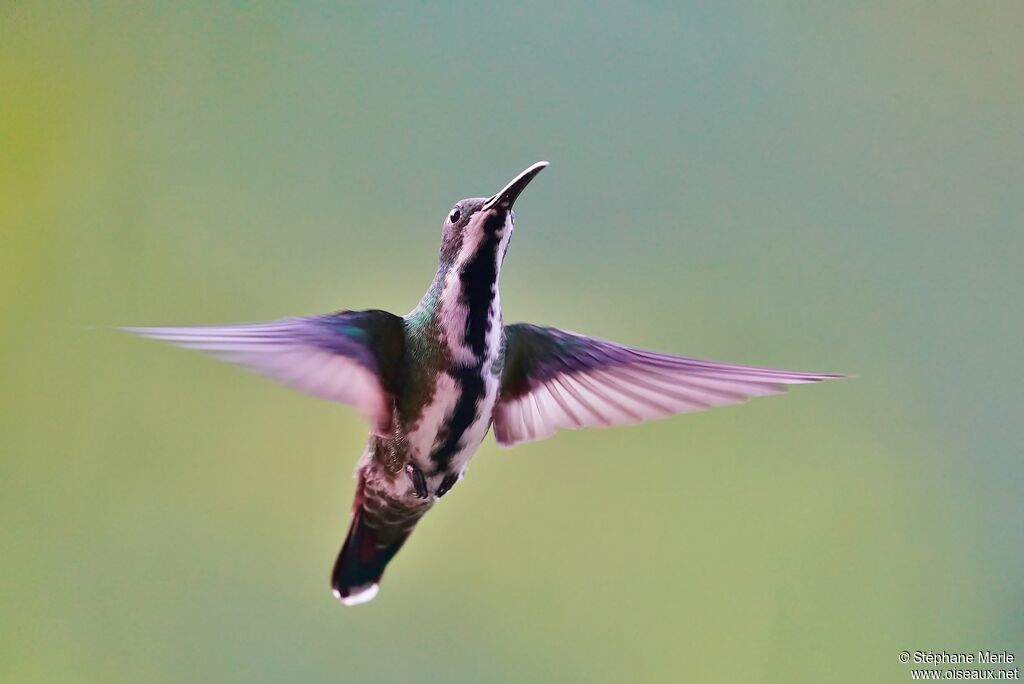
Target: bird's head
<point>483,223</point>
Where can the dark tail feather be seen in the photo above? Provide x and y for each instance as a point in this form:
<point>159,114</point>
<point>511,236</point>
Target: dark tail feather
<point>360,565</point>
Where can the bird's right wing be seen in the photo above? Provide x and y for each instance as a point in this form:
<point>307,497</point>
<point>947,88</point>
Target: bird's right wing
<point>350,357</point>
<point>554,379</point>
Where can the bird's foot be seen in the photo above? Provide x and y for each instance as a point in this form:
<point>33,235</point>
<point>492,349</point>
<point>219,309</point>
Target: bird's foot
<point>419,482</point>
<point>447,483</point>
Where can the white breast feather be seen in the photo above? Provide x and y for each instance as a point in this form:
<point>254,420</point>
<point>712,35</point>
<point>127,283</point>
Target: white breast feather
<point>423,438</point>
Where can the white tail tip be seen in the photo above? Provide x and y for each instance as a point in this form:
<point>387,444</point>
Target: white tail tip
<point>359,595</point>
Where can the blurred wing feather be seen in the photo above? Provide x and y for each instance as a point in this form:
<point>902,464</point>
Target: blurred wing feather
<point>349,357</point>
<point>553,379</point>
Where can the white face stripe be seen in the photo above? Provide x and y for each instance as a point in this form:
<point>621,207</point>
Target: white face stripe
<point>453,311</point>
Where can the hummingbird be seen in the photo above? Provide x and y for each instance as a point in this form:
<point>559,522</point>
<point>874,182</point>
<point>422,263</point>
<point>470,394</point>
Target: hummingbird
<point>432,383</point>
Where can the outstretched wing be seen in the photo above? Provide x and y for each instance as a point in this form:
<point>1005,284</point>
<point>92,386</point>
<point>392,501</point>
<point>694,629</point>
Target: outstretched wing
<point>554,379</point>
<point>351,357</point>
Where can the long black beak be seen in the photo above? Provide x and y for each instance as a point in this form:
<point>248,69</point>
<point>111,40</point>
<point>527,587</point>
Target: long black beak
<point>506,197</point>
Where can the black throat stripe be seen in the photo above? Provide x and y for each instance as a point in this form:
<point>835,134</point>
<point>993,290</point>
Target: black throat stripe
<point>479,281</point>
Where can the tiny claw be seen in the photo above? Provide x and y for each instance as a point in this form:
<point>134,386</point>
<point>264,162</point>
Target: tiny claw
<point>447,483</point>
<point>419,482</point>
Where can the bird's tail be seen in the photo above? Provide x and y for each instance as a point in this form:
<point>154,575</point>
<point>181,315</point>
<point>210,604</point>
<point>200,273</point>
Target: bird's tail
<point>375,535</point>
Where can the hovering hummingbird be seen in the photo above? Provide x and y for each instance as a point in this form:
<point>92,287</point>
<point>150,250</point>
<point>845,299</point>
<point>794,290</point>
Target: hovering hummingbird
<point>432,383</point>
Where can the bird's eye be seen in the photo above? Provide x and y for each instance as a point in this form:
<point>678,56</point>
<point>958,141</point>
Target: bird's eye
<point>454,217</point>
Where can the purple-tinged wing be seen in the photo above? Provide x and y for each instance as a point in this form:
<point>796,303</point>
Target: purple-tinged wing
<point>554,379</point>
<point>350,357</point>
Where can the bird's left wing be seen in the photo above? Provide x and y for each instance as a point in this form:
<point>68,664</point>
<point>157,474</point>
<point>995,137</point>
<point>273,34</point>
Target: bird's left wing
<point>554,379</point>
<point>350,357</point>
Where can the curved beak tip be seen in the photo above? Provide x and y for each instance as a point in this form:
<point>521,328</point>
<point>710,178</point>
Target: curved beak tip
<point>507,196</point>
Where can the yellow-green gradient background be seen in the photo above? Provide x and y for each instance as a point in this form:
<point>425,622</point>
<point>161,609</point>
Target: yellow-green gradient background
<point>831,187</point>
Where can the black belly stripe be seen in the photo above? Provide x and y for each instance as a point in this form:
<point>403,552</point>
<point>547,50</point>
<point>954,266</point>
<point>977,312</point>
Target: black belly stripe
<point>472,389</point>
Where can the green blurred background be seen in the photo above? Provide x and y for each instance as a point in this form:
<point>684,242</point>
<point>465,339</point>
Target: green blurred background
<point>824,187</point>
